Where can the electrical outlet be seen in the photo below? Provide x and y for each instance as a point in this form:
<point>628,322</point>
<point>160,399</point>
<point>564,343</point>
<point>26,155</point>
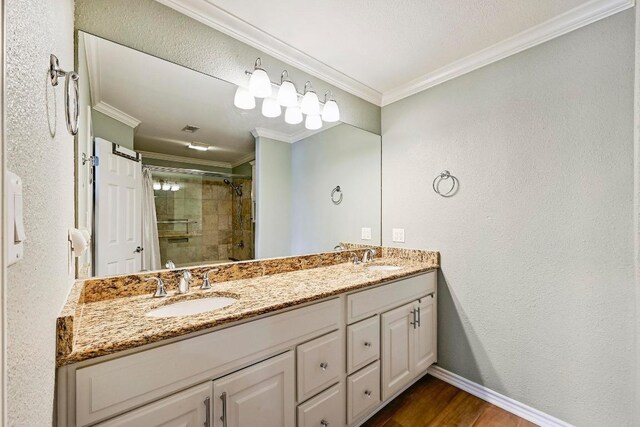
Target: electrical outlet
<point>365,233</point>
<point>398,235</point>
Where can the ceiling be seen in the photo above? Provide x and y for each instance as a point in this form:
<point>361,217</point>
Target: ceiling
<point>385,50</point>
<point>158,98</point>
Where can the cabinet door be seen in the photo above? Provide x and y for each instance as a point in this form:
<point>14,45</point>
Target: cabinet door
<point>260,395</point>
<point>397,349</point>
<point>189,408</point>
<point>425,334</point>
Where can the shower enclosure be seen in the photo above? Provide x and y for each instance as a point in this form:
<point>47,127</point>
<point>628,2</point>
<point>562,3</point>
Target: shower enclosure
<point>203,217</point>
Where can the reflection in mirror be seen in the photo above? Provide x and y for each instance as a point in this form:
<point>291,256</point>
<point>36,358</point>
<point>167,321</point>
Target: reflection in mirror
<point>169,170</point>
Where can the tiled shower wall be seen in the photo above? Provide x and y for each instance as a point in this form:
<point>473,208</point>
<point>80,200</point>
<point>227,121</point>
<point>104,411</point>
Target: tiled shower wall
<point>195,223</point>
<point>242,222</point>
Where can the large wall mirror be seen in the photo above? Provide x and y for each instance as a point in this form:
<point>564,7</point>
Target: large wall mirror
<point>170,171</point>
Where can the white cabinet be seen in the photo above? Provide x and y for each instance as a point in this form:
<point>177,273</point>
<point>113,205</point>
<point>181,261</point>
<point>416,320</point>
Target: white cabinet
<point>189,408</point>
<point>320,363</point>
<point>363,343</point>
<point>326,409</point>
<point>363,392</point>
<point>408,343</point>
<point>260,395</point>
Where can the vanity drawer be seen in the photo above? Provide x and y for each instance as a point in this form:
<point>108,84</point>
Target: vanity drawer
<point>326,409</point>
<point>363,343</point>
<point>320,363</point>
<point>363,392</point>
<point>374,301</point>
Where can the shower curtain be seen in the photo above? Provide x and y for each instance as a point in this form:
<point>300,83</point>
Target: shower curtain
<point>150,241</point>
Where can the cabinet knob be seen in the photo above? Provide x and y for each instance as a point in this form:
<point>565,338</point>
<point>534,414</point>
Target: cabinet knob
<point>324,423</point>
<point>367,344</point>
<point>324,366</point>
<point>367,393</point>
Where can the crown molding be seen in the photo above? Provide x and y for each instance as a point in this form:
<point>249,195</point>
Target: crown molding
<point>116,114</point>
<point>93,67</point>
<point>573,19</point>
<point>221,20</point>
<point>290,138</point>
<point>306,133</point>
<point>244,159</point>
<point>181,159</point>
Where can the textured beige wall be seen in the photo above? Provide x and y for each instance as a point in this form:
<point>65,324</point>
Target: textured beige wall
<point>161,31</point>
<point>38,285</point>
<point>537,291</point>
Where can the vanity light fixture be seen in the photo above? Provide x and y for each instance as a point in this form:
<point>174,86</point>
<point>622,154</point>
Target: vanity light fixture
<point>243,99</point>
<point>166,186</point>
<point>293,115</point>
<point>310,104</point>
<point>175,187</point>
<point>198,146</point>
<point>157,186</point>
<point>271,108</point>
<point>259,83</point>
<point>313,122</point>
<point>330,112</point>
<point>287,95</point>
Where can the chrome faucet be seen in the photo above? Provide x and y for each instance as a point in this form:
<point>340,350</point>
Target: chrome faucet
<point>170,265</point>
<point>160,290</point>
<point>185,279</point>
<point>368,255</point>
<point>340,247</point>
<point>355,258</point>
<point>205,282</point>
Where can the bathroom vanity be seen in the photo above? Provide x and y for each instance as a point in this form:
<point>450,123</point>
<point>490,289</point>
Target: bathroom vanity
<point>338,342</point>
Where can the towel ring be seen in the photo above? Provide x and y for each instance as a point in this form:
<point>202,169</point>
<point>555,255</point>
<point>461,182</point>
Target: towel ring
<point>333,193</point>
<point>70,77</point>
<point>443,176</point>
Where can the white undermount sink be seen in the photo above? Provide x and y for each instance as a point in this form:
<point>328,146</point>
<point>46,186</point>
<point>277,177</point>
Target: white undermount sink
<point>190,307</point>
<point>383,267</point>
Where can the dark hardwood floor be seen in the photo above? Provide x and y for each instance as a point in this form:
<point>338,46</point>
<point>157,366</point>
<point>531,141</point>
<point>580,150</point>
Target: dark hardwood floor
<point>432,402</point>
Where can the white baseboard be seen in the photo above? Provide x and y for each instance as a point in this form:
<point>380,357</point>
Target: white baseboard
<point>495,398</point>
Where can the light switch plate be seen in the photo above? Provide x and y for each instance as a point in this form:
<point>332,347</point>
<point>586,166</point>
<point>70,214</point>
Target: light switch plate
<point>365,233</point>
<point>397,235</point>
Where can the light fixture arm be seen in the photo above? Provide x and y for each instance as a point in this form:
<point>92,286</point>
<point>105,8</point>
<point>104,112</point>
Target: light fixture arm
<point>310,87</point>
<point>284,77</point>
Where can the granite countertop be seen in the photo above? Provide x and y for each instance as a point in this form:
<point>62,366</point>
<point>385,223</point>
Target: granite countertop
<point>90,327</point>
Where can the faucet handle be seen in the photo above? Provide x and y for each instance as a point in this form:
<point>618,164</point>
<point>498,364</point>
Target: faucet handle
<point>160,289</point>
<point>354,257</point>
<point>206,284</point>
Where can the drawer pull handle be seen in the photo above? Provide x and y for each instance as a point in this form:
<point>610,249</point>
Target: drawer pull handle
<point>207,411</point>
<point>415,322</point>
<point>324,366</point>
<point>367,393</point>
<point>324,423</point>
<point>418,317</point>
<point>223,417</point>
<point>367,344</point>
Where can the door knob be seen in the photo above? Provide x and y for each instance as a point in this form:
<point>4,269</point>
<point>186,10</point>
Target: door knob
<point>139,249</point>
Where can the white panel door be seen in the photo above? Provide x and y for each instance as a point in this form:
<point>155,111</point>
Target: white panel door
<point>425,334</point>
<point>397,349</point>
<point>189,408</point>
<point>260,395</point>
<point>118,211</point>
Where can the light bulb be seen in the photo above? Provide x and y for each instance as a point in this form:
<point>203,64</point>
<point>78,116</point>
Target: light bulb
<point>271,108</point>
<point>243,99</point>
<point>309,104</point>
<point>331,112</point>
<point>293,115</point>
<point>259,83</point>
<point>313,122</point>
<point>166,186</point>
<point>157,186</point>
<point>175,187</point>
<point>287,95</point>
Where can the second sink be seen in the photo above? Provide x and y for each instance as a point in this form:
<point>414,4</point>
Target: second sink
<point>191,307</point>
